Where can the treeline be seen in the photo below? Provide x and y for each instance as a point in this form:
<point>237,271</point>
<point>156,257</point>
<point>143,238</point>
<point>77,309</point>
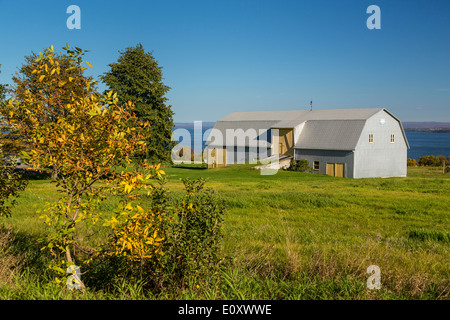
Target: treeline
<point>429,161</point>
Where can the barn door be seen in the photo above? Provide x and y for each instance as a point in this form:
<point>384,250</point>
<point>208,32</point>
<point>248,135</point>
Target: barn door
<point>224,156</point>
<point>335,169</point>
<point>285,141</point>
<point>339,170</point>
<point>330,169</point>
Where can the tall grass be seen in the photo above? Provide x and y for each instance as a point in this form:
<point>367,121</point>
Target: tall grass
<point>288,236</point>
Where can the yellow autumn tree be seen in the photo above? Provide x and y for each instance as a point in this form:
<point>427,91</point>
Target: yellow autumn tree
<point>88,144</point>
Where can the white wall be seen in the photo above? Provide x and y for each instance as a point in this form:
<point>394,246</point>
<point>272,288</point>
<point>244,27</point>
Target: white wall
<point>381,158</point>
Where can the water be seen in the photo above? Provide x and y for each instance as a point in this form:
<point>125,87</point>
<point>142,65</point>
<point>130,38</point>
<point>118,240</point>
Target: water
<point>188,140</point>
<point>421,143</point>
<point>427,143</point>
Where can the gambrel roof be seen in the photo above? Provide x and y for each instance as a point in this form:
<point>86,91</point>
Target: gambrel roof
<point>327,129</point>
<point>303,115</point>
<point>330,134</point>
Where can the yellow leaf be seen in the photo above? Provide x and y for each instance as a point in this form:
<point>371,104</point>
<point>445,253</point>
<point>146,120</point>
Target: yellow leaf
<point>89,64</point>
<point>128,188</point>
<point>140,209</point>
<point>41,78</point>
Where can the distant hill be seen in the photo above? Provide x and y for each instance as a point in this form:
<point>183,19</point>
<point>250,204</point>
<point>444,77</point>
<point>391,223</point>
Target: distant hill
<point>427,126</point>
<point>190,125</point>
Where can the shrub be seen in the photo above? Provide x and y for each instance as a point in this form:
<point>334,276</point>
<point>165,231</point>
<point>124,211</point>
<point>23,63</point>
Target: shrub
<point>443,159</point>
<point>430,161</point>
<point>170,243</point>
<point>412,163</point>
<point>301,165</point>
<point>195,237</point>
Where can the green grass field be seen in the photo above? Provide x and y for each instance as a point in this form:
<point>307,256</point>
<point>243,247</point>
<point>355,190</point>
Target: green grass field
<point>287,236</point>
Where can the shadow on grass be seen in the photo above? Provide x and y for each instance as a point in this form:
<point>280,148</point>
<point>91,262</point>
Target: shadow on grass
<point>190,166</point>
<point>25,248</point>
<point>30,174</point>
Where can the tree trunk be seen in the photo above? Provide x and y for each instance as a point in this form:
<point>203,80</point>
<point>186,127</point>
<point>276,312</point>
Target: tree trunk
<point>54,174</point>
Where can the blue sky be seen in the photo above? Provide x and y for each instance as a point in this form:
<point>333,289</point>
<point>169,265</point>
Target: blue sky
<point>224,56</point>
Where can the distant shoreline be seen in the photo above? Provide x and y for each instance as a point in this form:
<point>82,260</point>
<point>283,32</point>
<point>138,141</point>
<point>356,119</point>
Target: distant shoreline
<point>430,130</point>
<point>434,127</point>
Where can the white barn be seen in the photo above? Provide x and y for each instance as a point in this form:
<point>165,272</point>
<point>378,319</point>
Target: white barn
<point>351,143</point>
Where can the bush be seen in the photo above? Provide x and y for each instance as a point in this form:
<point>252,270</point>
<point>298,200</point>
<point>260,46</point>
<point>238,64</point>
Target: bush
<point>195,238</point>
<point>301,165</point>
<point>170,244</point>
<point>412,163</point>
<point>443,159</point>
<point>432,161</point>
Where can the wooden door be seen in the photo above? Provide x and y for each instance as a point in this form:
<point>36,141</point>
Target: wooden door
<point>330,169</point>
<point>286,141</point>
<point>339,170</point>
<point>224,156</point>
<point>335,169</point>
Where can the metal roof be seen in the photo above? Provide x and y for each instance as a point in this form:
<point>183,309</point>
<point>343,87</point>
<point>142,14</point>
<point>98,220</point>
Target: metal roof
<point>330,134</point>
<point>287,124</point>
<point>332,129</point>
<point>303,115</point>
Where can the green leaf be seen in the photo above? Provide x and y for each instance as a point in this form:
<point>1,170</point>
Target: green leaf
<point>25,155</point>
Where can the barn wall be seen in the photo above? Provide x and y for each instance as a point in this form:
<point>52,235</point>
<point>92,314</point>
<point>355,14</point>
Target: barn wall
<point>327,156</point>
<point>240,155</point>
<point>381,158</point>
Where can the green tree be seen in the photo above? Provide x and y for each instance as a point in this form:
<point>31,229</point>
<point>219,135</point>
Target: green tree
<point>10,180</point>
<point>2,89</point>
<point>137,77</point>
<point>3,124</point>
<point>11,143</point>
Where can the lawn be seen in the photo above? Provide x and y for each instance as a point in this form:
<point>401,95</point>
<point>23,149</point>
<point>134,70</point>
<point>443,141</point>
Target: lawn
<point>293,235</point>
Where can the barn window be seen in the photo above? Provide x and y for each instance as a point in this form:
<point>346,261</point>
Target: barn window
<point>392,138</point>
<point>316,165</point>
<point>370,137</point>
